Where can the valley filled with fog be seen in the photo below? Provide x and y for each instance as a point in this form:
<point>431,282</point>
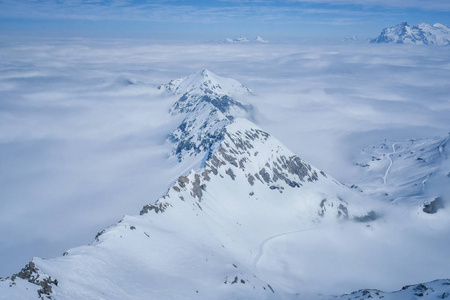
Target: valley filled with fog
<point>83,131</point>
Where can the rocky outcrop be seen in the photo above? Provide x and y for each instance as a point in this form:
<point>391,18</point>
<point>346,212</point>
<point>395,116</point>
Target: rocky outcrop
<point>438,289</point>
<point>433,206</point>
<point>157,208</point>
<point>31,273</point>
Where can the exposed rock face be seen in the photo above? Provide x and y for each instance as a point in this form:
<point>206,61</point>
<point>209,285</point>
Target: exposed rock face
<point>438,289</point>
<point>31,273</point>
<point>247,154</point>
<point>371,216</point>
<point>208,107</point>
<point>231,146</point>
<point>157,207</point>
<point>434,206</point>
<point>238,149</point>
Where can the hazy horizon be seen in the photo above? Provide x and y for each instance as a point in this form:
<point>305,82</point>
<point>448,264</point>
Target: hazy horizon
<point>278,21</point>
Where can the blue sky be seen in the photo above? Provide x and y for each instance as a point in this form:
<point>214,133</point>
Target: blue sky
<point>214,20</point>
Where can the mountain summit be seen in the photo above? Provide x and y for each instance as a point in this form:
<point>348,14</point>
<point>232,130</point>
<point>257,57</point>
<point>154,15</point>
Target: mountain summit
<point>206,237</point>
<point>426,34</point>
<point>205,82</point>
<point>208,104</point>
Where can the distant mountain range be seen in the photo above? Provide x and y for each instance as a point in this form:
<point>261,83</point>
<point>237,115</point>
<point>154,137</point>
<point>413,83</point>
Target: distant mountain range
<point>243,39</point>
<point>425,34</point>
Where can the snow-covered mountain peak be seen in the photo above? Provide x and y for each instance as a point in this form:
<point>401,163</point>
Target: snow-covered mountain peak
<point>205,83</point>
<point>423,33</point>
<point>232,225</point>
<point>439,25</point>
<point>260,39</point>
<point>207,100</point>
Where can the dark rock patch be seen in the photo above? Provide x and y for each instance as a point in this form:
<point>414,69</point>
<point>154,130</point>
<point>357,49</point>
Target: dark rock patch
<point>182,181</point>
<point>229,158</point>
<point>230,173</point>
<point>241,163</point>
<point>322,209</point>
<point>259,178</point>
<point>30,273</point>
<point>196,188</point>
<point>157,207</point>
<point>99,234</point>
<point>369,217</point>
<point>434,206</point>
<point>342,211</point>
<point>265,176</point>
<point>216,162</point>
<point>251,179</point>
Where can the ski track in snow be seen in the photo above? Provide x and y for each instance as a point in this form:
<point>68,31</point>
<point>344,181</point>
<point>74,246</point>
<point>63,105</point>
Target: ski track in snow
<point>442,147</point>
<point>264,242</point>
<point>425,181</point>
<point>390,163</point>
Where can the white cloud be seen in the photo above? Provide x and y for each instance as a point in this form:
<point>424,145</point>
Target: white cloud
<point>425,5</point>
<point>79,148</point>
<point>165,11</point>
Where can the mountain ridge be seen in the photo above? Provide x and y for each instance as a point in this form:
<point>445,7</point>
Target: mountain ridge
<point>423,33</point>
<point>209,236</point>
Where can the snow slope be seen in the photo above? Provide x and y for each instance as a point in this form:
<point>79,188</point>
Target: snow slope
<point>438,289</point>
<point>437,34</point>
<point>402,171</point>
<point>250,220</point>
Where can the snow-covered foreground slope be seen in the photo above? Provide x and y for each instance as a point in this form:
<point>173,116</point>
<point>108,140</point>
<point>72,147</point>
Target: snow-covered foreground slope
<point>426,34</point>
<point>438,289</point>
<point>404,171</point>
<point>250,220</point>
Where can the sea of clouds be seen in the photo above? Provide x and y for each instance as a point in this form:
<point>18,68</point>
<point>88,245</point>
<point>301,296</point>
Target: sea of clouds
<point>83,127</point>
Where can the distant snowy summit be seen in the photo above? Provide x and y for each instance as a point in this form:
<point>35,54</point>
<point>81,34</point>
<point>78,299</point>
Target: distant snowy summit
<point>424,34</point>
<point>242,39</point>
<point>261,40</point>
<point>352,39</point>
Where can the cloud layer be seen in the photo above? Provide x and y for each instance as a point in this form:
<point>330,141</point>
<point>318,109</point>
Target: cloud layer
<point>80,146</point>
